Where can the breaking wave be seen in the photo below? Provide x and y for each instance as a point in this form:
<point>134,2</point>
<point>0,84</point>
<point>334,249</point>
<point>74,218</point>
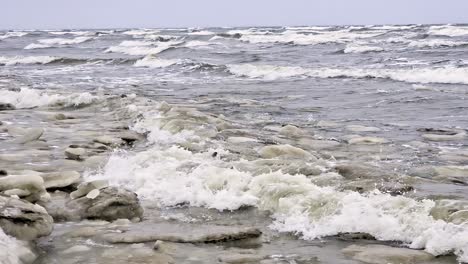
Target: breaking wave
<point>201,178</point>
<point>29,98</point>
<point>142,48</point>
<point>450,75</point>
<point>448,30</point>
<point>153,62</point>
<point>9,61</point>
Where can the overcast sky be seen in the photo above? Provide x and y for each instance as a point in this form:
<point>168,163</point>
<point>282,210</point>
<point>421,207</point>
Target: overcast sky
<point>43,14</point>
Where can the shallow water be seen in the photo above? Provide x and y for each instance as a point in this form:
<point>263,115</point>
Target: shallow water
<point>230,93</point>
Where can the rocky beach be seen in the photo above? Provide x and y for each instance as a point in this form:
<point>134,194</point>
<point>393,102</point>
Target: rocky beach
<point>234,145</point>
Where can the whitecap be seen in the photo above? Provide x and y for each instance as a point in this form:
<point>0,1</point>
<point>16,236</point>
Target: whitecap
<point>201,33</point>
<point>436,43</point>
<point>153,62</point>
<point>447,74</point>
<point>37,46</point>
<point>28,98</point>
<point>142,50</point>
<point>448,30</point>
<point>8,61</point>
<point>64,41</point>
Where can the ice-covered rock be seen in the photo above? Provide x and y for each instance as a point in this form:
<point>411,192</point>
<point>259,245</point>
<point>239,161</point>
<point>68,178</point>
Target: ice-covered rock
<point>23,219</point>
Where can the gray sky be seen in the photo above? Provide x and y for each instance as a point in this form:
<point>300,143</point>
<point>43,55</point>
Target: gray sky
<point>43,14</point>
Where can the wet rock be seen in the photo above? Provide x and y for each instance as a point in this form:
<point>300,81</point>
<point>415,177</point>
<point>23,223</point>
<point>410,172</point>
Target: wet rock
<point>111,204</point>
<point>6,106</point>
<point>13,251</point>
<point>355,236</point>
<point>291,131</point>
<point>288,151</point>
<point>181,233</point>
<point>443,134</point>
<point>240,258</point>
<point>23,219</point>
<point>60,179</point>
<point>76,249</point>
<point>327,124</point>
<point>361,171</point>
<point>380,254</point>
<point>359,128</point>
<point>75,153</point>
<point>86,187</point>
<point>137,254</point>
<point>237,140</point>
<point>367,140</point>
<point>109,141</point>
<point>93,194</point>
<point>456,174</point>
<point>32,184</point>
<point>130,137</point>
<point>157,245</point>
<point>30,135</point>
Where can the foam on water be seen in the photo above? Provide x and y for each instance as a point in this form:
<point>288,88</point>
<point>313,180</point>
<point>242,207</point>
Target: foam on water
<point>9,61</point>
<point>435,43</point>
<point>64,41</point>
<point>448,30</point>
<point>291,36</point>
<point>153,62</point>
<point>10,249</point>
<point>76,33</point>
<point>27,98</point>
<point>37,46</point>
<point>142,48</point>
<point>414,75</point>
<point>201,33</point>
<point>13,34</point>
<point>303,208</point>
<point>170,175</point>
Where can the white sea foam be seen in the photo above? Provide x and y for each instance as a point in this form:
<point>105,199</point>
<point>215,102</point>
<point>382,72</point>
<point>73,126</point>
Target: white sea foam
<point>415,75</point>
<point>64,41</point>
<point>37,46</point>
<point>201,33</point>
<point>140,32</point>
<point>13,34</point>
<point>290,36</point>
<point>27,98</point>
<point>11,250</point>
<point>435,43</point>
<point>448,30</point>
<point>301,207</point>
<point>142,48</point>
<point>169,175</point>
<point>8,61</point>
<point>153,62</point>
<point>353,48</point>
<point>76,33</point>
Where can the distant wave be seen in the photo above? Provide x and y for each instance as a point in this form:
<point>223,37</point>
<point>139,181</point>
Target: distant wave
<point>201,33</point>
<point>293,37</point>
<point>435,43</point>
<point>353,48</point>
<point>450,75</point>
<point>37,46</point>
<point>142,48</point>
<point>448,30</point>
<point>17,60</point>
<point>13,34</point>
<point>153,62</point>
<point>8,61</point>
<point>64,41</point>
<point>76,33</point>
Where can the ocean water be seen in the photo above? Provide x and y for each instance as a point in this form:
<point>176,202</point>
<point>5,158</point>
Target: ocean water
<point>211,103</point>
